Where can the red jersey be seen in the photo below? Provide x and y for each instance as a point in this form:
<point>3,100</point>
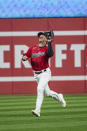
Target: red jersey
<point>39,57</point>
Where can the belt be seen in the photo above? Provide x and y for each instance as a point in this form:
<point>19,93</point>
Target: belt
<point>38,72</point>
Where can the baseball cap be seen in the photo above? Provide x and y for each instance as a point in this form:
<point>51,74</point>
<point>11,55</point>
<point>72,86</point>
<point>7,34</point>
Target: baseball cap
<point>41,33</point>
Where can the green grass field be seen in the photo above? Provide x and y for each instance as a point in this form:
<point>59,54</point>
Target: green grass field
<point>15,114</point>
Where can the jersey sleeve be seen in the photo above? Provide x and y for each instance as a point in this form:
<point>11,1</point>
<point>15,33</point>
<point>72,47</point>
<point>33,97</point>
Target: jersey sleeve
<point>49,50</point>
<point>28,53</point>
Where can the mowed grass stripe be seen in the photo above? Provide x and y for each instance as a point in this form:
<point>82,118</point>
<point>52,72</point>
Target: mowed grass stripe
<point>68,119</point>
<point>28,107</point>
<point>45,101</point>
<point>17,100</point>
<point>29,118</point>
<point>56,104</point>
<point>43,125</point>
<point>43,106</point>
<point>55,110</point>
<point>17,97</point>
<point>32,98</point>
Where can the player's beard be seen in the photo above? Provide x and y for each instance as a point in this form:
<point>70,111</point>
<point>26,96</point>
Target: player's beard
<point>42,43</point>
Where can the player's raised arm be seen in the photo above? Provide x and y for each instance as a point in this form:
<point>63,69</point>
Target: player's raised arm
<point>50,37</point>
<point>50,49</point>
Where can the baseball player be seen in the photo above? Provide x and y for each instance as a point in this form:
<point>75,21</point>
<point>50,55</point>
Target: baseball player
<point>39,56</point>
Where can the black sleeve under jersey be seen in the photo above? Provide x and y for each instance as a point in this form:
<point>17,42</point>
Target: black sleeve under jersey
<point>50,50</point>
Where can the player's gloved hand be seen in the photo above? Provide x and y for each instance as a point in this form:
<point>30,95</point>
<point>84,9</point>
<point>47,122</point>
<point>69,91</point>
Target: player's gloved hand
<point>49,39</point>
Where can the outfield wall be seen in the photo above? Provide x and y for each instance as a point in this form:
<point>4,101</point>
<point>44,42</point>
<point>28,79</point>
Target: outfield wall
<point>68,65</point>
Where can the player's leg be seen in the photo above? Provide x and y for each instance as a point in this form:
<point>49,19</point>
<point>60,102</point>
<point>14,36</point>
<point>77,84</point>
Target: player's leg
<point>36,111</point>
<point>53,94</point>
<point>42,82</point>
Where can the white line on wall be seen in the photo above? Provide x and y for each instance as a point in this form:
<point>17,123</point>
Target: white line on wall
<point>54,78</point>
<point>34,33</point>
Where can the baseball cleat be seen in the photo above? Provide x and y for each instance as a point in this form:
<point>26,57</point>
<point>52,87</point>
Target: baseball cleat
<point>34,112</point>
<point>63,102</point>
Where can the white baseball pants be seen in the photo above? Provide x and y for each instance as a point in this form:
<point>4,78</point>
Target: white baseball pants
<point>43,88</point>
